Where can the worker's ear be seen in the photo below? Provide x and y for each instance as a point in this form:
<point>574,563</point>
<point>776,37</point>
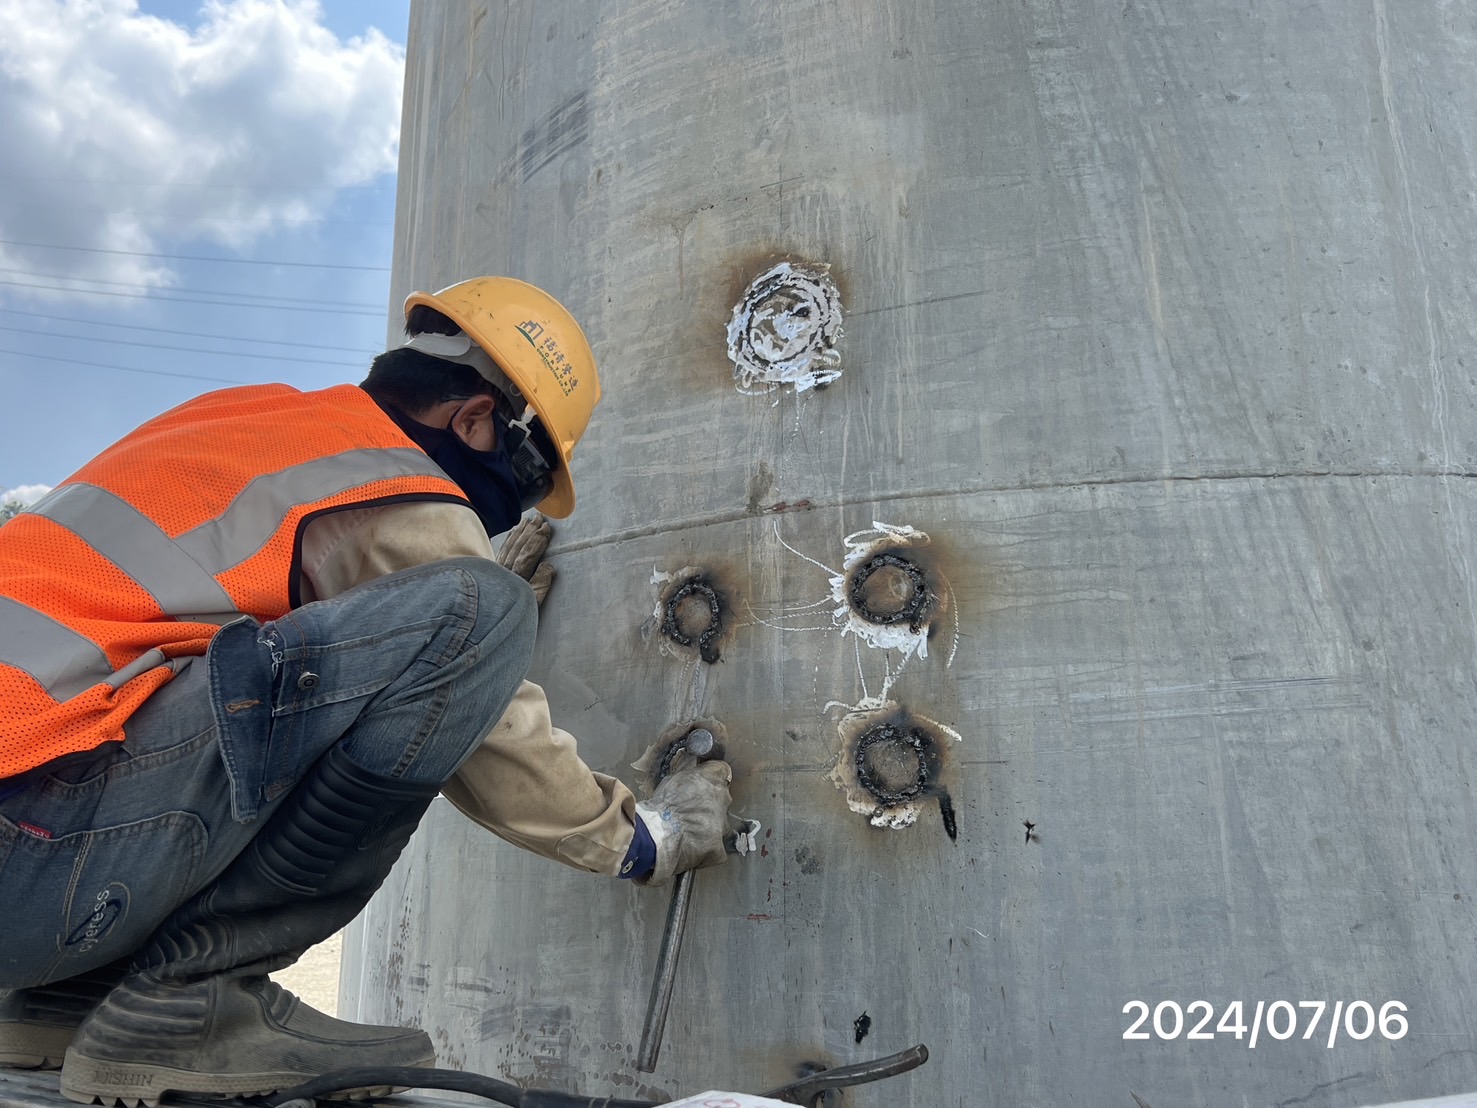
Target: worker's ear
<point>473,422</point>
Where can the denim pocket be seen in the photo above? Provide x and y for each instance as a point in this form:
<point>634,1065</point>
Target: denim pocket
<point>328,674</point>
<point>82,900</point>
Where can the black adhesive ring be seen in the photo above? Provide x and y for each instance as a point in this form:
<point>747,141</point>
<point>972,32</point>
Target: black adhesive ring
<point>925,748</point>
<point>915,612</point>
<point>707,649</point>
<point>669,755</point>
<point>914,738</point>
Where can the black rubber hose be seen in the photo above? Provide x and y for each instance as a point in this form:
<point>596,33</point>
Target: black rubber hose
<point>453,1080</point>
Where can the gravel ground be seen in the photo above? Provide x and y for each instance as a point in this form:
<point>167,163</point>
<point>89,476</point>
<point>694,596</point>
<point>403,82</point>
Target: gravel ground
<point>314,976</point>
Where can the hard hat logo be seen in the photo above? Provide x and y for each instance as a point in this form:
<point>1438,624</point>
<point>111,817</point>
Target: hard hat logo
<point>553,358</point>
<point>533,339</point>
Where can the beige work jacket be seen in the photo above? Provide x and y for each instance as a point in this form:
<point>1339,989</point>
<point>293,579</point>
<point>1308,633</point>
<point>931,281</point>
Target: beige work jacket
<point>525,782</point>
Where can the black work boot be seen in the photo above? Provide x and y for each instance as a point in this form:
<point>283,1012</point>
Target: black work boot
<point>37,1024</point>
<point>198,1013</point>
<point>225,1035</point>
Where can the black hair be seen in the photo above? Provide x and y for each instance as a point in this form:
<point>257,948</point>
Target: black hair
<point>423,318</point>
<point>415,382</point>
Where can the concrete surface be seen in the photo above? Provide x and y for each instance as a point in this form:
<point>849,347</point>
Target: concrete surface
<point>1158,320</point>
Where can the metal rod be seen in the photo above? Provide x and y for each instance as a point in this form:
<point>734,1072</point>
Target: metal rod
<point>807,1089</point>
<point>666,971</point>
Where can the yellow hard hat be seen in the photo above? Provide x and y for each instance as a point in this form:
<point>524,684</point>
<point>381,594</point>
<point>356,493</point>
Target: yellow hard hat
<point>536,342</point>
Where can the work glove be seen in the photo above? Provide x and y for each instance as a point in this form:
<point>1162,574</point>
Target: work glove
<point>687,817</point>
<point>523,553</point>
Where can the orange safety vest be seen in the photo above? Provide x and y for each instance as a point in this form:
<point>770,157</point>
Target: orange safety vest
<point>186,524</point>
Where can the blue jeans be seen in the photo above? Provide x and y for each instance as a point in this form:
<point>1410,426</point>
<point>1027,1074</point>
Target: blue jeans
<point>406,672</point>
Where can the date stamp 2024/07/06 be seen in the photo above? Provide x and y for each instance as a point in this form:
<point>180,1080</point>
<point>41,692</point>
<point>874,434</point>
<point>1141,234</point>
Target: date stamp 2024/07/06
<point>1279,1020</point>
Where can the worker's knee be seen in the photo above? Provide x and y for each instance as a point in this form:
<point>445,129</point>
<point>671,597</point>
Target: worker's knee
<point>411,668</point>
<point>506,612</point>
<point>474,601</point>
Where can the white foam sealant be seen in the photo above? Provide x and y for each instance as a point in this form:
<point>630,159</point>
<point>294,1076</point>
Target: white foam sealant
<point>785,329</point>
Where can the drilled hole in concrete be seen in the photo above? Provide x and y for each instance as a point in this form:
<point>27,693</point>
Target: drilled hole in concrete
<point>892,762</point>
<point>895,765</point>
<point>891,589</point>
<point>692,615</point>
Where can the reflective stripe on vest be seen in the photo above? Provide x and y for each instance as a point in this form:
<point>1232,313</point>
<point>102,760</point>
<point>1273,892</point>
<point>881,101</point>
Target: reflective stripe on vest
<point>231,538</point>
<point>96,594</point>
<point>61,661</point>
<point>179,573</point>
<point>182,584</point>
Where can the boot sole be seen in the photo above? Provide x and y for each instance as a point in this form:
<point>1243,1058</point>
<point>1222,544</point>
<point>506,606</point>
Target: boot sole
<point>89,1082</point>
<point>34,1046</point>
<point>12,1061</point>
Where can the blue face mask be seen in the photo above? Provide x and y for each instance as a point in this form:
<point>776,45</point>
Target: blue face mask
<point>486,476</point>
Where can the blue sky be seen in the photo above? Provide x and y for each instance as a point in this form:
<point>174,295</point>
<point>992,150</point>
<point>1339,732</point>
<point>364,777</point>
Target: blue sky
<point>194,195</point>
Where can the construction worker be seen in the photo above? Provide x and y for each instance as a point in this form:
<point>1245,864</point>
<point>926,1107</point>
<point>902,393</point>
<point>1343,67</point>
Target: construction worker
<point>240,653</point>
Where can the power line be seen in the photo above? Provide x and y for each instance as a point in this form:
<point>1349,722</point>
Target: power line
<point>112,210</point>
<point>113,183</point>
<point>196,349</point>
<point>186,334</point>
<point>177,288</point>
<point>195,257</point>
<point>306,306</point>
<point>126,368</point>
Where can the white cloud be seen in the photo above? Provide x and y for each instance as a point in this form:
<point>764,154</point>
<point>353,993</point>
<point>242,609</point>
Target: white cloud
<point>119,130</point>
<point>24,495</point>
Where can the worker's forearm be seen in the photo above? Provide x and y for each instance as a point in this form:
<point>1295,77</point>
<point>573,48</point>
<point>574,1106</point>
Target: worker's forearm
<point>525,782</point>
